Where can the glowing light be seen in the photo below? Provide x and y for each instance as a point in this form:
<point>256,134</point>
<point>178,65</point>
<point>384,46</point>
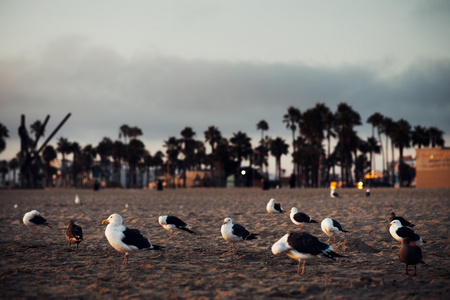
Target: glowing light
<point>243,172</point>
<point>360,185</point>
<point>333,185</point>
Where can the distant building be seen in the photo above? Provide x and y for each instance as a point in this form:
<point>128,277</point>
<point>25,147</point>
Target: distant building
<point>433,167</point>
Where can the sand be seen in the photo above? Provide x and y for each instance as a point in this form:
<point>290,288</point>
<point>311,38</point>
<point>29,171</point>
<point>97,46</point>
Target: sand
<point>202,266</point>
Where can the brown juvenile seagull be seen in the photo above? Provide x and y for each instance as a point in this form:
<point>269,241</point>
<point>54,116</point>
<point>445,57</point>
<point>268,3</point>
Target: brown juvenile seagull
<point>410,254</point>
<point>74,233</point>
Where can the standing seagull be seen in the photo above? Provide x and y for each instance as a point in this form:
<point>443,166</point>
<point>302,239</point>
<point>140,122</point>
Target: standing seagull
<point>399,232</point>
<point>77,200</point>
<point>298,218</point>
<point>331,227</point>
<point>273,207</point>
<point>368,193</point>
<point>302,245</point>
<point>33,218</point>
<point>74,233</point>
<point>410,254</point>
<point>125,240</point>
<point>234,233</point>
<point>171,223</point>
<point>334,194</point>
<point>392,217</point>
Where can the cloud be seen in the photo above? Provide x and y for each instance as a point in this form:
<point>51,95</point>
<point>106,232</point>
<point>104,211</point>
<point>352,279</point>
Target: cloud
<point>164,94</point>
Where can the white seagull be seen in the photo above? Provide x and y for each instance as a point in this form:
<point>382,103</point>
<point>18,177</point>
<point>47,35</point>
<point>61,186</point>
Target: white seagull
<point>125,240</point>
<point>331,227</point>
<point>402,220</point>
<point>302,245</point>
<point>77,200</point>
<point>234,233</point>
<point>399,232</point>
<point>334,194</point>
<point>298,218</point>
<point>273,207</point>
<point>172,223</point>
<point>33,218</point>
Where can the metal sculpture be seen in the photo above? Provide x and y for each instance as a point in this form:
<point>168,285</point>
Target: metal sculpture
<point>30,161</point>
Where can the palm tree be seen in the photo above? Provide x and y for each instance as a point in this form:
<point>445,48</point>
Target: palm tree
<point>188,150</point>
<point>263,126</point>
<point>401,139</point>
<point>36,129</point>
<point>241,146</point>
<point>134,132</point>
<point>377,120</point>
<point>63,147</point>
<point>278,148</point>
<point>346,120</point>
<point>48,155</point>
<point>436,138</point>
<point>3,134</point>
<point>13,165</point>
<point>134,153</point>
<point>4,170</point>
<point>328,121</point>
<point>172,146</point>
<point>373,147</point>
<point>312,128</point>
<point>88,153</point>
<point>124,131</point>
<point>158,162</point>
<point>77,163</point>
<point>118,152</point>
<point>292,120</point>
<point>213,136</point>
<point>420,136</point>
<point>104,150</point>
<point>387,127</point>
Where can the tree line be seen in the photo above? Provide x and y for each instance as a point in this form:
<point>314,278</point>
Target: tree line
<point>313,131</point>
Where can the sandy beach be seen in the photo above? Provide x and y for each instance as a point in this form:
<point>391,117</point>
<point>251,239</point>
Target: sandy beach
<point>202,266</point>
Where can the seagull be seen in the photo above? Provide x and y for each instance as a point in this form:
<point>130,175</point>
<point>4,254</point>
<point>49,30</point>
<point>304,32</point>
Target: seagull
<point>74,233</point>
<point>392,217</point>
<point>302,245</point>
<point>331,227</point>
<point>273,207</point>
<point>234,233</point>
<point>77,200</point>
<point>125,240</point>
<point>368,193</point>
<point>399,232</point>
<point>410,254</point>
<point>298,218</point>
<point>334,194</point>
<point>171,223</point>
<point>33,218</point>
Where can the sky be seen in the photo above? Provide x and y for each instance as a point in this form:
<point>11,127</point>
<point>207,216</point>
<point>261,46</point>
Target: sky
<point>166,65</point>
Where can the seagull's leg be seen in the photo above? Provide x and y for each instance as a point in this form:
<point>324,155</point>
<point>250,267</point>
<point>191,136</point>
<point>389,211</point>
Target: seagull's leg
<point>234,250</point>
<point>406,270</point>
<point>298,268</point>
<point>77,246</point>
<point>125,260</point>
<point>171,234</point>
<point>303,269</point>
<point>415,270</point>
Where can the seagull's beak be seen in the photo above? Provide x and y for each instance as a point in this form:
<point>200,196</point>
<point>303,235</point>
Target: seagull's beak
<point>388,224</point>
<point>224,223</point>
<point>105,221</point>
